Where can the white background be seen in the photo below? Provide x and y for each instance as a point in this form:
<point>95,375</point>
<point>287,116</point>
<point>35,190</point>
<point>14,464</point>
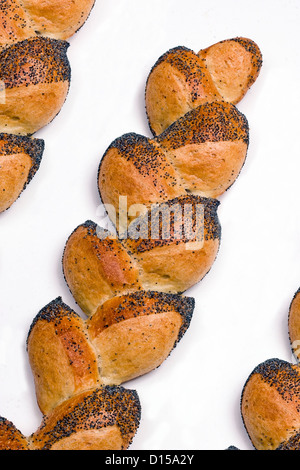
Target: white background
<point>193,400</point>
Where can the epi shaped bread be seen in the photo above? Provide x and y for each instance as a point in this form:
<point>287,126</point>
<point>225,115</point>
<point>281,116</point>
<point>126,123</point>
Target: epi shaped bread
<point>182,80</point>
<point>270,402</point>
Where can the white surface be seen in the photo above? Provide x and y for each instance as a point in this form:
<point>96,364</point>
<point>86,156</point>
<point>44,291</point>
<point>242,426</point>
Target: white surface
<point>193,400</point>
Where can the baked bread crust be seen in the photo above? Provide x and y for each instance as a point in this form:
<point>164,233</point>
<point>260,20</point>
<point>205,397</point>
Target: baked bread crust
<point>36,76</point>
<point>105,418</point>
<point>181,80</point>
<point>57,19</point>
<point>270,402</point>
<point>130,287</point>
<point>97,265</point>
<point>20,159</point>
<point>203,153</point>
<point>128,336</point>
<point>270,405</point>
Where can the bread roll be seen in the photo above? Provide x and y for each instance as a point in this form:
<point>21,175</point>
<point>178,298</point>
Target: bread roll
<point>270,406</point>
<point>106,418</point>
<point>57,19</point>
<point>97,267</point>
<point>202,153</point>
<point>36,76</point>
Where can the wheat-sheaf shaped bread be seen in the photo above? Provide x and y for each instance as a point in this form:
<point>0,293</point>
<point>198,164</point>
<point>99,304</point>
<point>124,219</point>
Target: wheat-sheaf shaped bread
<point>270,403</point>
<point>20,158</point>
<point>35,78</point>
<point>128,336</point>
<point>104,418</point>
<point>182,80</point>
<point>58,19</point>
<point>97,265</point>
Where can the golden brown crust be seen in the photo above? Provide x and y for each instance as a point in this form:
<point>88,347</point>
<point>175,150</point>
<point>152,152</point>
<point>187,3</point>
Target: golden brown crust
<point>294,324</point>
<point>234,65</point>
<point>10,437</point>
<point>181,80</point>
<point>58,19</point>
<point>176,259</point>
<point>20,159</point>
<point>15,23</point>
<point>136,346</point>
<point>128,336</point>
<point>62,359</point>
<point>14,172</point>
<point>97,267</point>
<point>105,418</point>
<point>201,153</point>
<point>36,78</point>
<point>212,122</point>
<point>78,423</point>
<point>208,147</point>
<point>136,167</point>
<point>137,304</point>
<point>134,334</point>
<point>270,405</point>
<point>177,83</point>
<point>33,61</point>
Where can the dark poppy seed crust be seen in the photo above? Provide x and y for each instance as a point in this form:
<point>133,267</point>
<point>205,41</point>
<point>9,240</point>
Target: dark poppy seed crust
<point>13,144</point>
<point>55,311</point>
<point>106,406</point>
<point>142,303</point>
<point>35,60</point>
<point>212,227</point>
<point>145,155</point>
